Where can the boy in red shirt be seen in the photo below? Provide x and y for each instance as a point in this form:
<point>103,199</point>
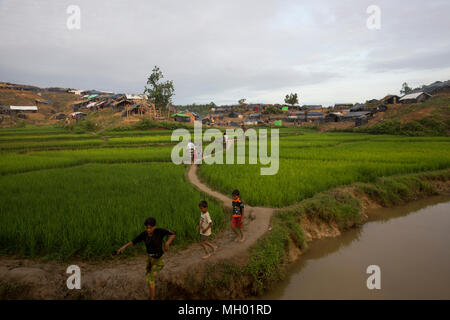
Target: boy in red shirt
<point>237,217</point>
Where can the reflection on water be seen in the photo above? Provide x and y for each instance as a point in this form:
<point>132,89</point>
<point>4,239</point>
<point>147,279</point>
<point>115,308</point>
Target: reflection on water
<point>410,243</point>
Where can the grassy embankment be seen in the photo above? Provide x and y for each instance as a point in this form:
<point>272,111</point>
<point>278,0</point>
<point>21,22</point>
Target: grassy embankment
<point>341,207</point>
<point>430,118</point>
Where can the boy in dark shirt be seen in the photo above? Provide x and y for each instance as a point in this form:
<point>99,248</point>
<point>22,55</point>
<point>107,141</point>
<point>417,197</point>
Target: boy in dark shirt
<point>153,238</point>
<point>237,217</point>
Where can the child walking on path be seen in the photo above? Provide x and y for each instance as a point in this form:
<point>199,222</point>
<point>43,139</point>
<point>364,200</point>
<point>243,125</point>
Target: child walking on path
<point>205,229</point>
<point>237,217</point>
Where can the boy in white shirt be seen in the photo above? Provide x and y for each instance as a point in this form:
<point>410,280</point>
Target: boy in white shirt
<point>191,149</point>
<point>205,229</point>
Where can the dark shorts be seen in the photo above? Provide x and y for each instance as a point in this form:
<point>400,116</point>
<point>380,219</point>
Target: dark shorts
<point>236,221</point>
<point>204,238</point>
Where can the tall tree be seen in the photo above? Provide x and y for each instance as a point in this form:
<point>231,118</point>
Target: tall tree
<point>241,102</point>
<point>405,89</point>
<point>160,93</point>
<point>291,99</point>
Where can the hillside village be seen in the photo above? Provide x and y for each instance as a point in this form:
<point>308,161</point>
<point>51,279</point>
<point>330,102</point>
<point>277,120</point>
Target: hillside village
<point>65,106</point>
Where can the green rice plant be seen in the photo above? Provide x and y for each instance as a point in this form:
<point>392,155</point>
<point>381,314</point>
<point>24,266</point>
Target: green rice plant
<point>11,163</point>
<point>47,137</point>
<point>43,145</point>
<point>314,162</point>
<point>31,130</point>
<point>91,210</point>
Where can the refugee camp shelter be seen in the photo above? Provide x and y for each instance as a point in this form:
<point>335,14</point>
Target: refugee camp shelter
<point>351,116</point>
<point>296,116</point>
<point>314,115</point>
<point>97,92</point>
<point>120,105</point>
<point>26,109</point>
<point>38,101</point>
<point>233,115</point>
<point>135,109</point>
<point>333,117</point>
<point>4,109</point>
<point>79,104</point>
<point>181,117</point>
<point>312,107</point>
<point>415,97</point>
<point>250,122</point>
<point>254,116</point>
<point>342,106</point>
<point>136,96</point>
<point>358,107</point>
<point>360,121</point>
<point>118,96</point>
<point>75,91</point>
<point>390,99</point>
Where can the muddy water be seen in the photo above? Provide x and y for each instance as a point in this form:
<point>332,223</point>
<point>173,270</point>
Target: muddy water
<point>410,244</point>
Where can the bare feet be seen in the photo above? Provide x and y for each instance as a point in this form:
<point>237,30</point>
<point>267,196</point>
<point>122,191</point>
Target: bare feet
<point>215,249</point>
<point>207,256</point>
<point>242,239</point>
<point>236,239</point>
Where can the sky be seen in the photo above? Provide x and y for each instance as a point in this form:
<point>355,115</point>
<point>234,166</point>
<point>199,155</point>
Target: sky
<point>222,51</point>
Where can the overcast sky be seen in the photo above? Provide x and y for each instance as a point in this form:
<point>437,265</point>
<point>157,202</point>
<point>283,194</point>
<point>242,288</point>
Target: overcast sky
<point>222,51</point>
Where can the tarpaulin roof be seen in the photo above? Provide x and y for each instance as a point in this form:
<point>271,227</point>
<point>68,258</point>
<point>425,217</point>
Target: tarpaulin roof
<point>24,108</point>
<point>180,115</point>
<point>413,95</point>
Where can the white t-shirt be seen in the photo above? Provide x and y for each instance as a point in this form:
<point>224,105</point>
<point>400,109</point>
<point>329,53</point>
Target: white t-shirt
<point>205,220</point>
<point>190,146</point>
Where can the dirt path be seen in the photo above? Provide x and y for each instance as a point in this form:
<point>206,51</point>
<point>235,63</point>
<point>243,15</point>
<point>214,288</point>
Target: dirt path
<point>123,278</point>
<point>256,223</point>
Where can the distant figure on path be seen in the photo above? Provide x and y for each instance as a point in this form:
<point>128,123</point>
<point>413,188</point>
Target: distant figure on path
<point>191,148</point>
<point>225,140</point>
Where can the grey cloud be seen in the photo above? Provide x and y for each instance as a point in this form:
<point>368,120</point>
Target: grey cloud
<point>413,61</point>
<point>220,50</point>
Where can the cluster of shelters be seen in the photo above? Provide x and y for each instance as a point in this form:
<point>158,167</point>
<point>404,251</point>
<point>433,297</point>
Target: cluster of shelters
<point>236,115</point>
<point>128,104</point>
<point>21,87</point>
<point>18,111</point>
<point>360,113</point>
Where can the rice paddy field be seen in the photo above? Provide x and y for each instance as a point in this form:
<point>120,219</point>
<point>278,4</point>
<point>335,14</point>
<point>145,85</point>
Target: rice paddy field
<point>84,200</point>
<point>69,195</point>
<point>311,162</point>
